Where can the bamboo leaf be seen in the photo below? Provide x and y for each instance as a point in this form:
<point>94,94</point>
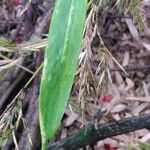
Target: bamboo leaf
<point>61,55</point>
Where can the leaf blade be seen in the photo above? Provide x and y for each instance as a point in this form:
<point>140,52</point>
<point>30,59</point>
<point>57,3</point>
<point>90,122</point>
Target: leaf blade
<point>61,56</point>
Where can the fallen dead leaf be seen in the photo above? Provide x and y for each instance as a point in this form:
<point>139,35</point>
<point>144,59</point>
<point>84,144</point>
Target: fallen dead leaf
<point>118,108</point>
<point>132,28</point>
<point>146,45</point>
<point>126,59</point>
<point>71,118</point>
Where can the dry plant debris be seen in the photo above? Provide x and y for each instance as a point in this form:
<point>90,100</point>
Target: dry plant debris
<point>113,72</point>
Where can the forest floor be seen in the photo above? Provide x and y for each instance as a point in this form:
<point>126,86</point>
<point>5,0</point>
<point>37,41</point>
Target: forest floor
<point>113,73</point>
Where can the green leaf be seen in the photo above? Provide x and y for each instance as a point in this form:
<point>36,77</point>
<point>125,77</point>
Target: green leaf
<point>4,42</point>
<point>4,136</point>
<point>61,56</point>
<point>145,146</point>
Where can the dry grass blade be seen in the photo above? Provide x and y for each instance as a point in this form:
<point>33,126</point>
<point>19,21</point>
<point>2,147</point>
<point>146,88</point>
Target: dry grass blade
<point>12,63</point>
<point>15,140</point>
<point>3,62</point>
<point>140,99</point>
<point>17,64</point>
<point>33,46</point>
<point>5,49</point>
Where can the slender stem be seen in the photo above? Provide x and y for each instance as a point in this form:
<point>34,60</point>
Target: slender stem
<point>44,145</point>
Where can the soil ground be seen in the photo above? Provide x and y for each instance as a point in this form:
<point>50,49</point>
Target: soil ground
<point>113,73</point>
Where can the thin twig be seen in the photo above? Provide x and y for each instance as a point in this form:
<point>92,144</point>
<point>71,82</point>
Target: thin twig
<point>132,68</point>
<point>89,135</point>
